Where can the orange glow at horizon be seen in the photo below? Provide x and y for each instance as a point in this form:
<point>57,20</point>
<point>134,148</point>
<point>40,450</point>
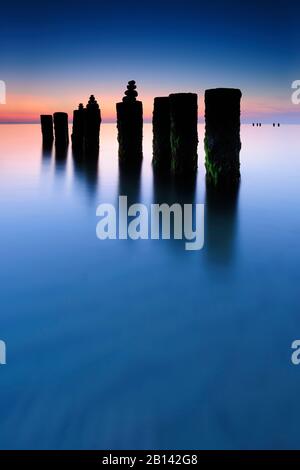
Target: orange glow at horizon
<point>28,108</point>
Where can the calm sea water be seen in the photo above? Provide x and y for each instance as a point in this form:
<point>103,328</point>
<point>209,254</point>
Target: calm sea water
<point>141,344</point>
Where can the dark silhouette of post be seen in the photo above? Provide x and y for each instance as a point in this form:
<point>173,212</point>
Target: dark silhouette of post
<point>92,124</point>
<point>61,129</point>
<point>130,126</point>
<point>86,128</point>
<point>161,133</point>
<point>78,132</point>
<point>183,132</point>
<point>222,135</point>
<point>47,128</point>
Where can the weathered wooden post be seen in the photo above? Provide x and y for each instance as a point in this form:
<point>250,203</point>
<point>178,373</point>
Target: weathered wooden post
<point>92,124</point>
<point>222,135</point>
<point>78,131</point>
<point>161,133</point>
<point>61,129</point>
<point>183,132</point>
<point>47,128</point>
<point>130,126</point>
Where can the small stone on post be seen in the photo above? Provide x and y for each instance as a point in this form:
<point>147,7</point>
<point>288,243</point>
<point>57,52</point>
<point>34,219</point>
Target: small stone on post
<point>222,135</point>
<point>183,132</point>
<point>78,127</point>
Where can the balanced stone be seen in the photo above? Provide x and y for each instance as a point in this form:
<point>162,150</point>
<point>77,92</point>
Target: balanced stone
<point>183,132</point>
<point>61,129</point>
<point>161,133</point>
<point>47,128</point>
<point>78,131</point>
<point>92,124</point>
<point>130,126</point>
<point>222,135</point>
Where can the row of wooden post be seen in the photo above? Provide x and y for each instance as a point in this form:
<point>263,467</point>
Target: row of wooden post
<point>175,136</point>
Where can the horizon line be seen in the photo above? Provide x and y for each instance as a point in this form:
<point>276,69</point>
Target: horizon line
<point>149,121</point>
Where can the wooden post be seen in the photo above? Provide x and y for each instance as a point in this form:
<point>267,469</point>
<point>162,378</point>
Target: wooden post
<point>78,131</point>
<point>161,133</point>
<point>130,126</point>
<point>222,135</point>
<point>183,132</point>
<point>61,129</point>
<point>47,128</point>
<point>92,124</point>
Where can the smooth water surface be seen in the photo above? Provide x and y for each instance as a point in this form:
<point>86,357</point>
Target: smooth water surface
<point>141,344</point>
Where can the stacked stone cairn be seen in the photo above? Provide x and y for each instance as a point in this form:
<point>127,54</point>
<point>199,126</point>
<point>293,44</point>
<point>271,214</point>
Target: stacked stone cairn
<point>130,126</point>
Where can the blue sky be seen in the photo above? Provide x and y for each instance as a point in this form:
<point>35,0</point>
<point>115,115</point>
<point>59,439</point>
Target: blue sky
<point>58,53</point>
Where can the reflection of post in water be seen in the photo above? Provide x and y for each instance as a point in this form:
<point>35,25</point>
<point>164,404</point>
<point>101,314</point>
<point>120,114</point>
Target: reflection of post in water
<point>185,188</point>
<point>130,181</point>
<point>220,222</point>
<point>46,154</point>
<point>61,153</point>
<point>47,150</point>
<point>86,165</point>
<point>169,189</point>
<point>60,157</point>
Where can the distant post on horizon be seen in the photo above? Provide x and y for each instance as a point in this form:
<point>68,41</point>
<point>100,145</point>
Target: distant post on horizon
<point>222,141</point>
<point>130,126</point>
<point>184,132</point>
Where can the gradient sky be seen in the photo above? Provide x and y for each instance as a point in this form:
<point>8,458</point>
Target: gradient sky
<point>54,55</point>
